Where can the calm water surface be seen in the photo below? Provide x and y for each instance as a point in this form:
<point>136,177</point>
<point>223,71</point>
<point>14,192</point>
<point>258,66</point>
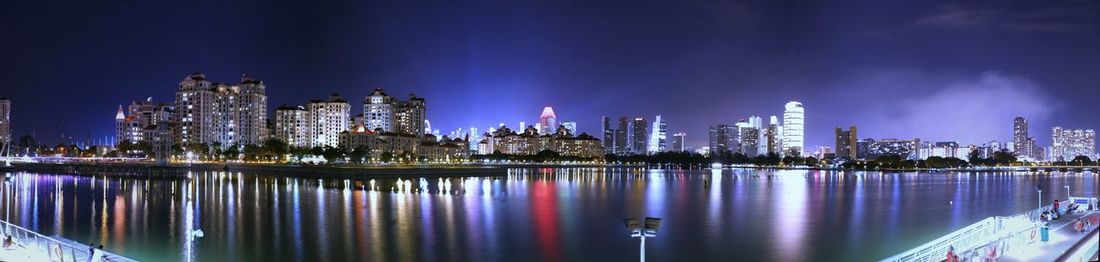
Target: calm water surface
<point>572,214</point>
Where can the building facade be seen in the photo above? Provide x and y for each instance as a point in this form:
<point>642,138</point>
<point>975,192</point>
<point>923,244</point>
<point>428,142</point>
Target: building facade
<point>1070,143</point>
<point>131,124</point>
<point>794,128</point>
<point>218,113</point>
<point>678,142</point>
<point>292,125</point>
<point>5,121</point>
<point>846,143</point>
<point>658,136</point>
<point>721,139</point>
<point>608,135</point>
<point>638,136</point>
<point>326,119</point>
<point>384,113</point>
<point>548,121</point>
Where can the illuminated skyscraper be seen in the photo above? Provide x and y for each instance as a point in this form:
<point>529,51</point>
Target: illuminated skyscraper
<point>1019,137</point>
<point>638,135</point>
<point>548,120</point>
<point>657,136</point>
<point>381,111</point>
<point>678,142</point>
<point>571,126</point>
<point>721,138</point>
<point>622,142</point>
<point>608,135</point>
<point>794,128</point>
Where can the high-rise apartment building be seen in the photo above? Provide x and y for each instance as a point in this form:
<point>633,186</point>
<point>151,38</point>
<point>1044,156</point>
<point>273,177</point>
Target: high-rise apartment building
<point>657,136</point>
<point>678,142</point>
<point>292,125</point>
<point>131,124</point>
<point>608,135</point>
<point>638,136</point>
<point>548,120</point>
<point>1021,145</point>
<point>1070,143</point>
<point>385,113</point>
<point>773,139</point>
<point>722,139</point>
<point>326,119</point>
<point>846,143</point>
<point>5,120</point>
<point>794,128</point>
<point>218,113</point>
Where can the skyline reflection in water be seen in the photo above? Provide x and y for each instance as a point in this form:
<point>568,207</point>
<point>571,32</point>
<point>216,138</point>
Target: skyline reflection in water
<point>544,214</point>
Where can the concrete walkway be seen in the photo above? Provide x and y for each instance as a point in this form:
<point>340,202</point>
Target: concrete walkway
<point>1062,237</point>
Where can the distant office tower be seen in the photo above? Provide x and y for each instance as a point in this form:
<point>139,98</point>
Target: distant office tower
<point>721,138</point>
<point>794,128</point>
<point>739,139</point>
<point>5,120</point>
<point>846,143</point>
<point>381,111</point>
<point>756,122</point>
<point>750,141</point>
<point>327,118</point>
<point>1070,143</point>
<point>773,139</point>
<point>638,136</point>
<point>1020,144</point>
<point>621,139</point>
<point>571,126</point>
<point>657,136</point>
<point>209,113</point>
<point>132,124</point>
<point>548,120</point>
<point>292,125</point>
<point>608,135</point>
<point>678,142</point>
<point>863,148</point>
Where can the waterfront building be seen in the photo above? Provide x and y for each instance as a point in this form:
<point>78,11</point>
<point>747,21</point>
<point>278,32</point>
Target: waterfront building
<point>678,142</point>
<point>529,142</point>
<point>292,125</point>
<point>608,135</point>
<point>326,119</point>
<point>638,136</point>
<point>721,139</point>
<point>846,143</point>
<point>657,136</point>
<point>794,124</point>
<point>219,113</point>
<point>379,111</point>
<point>774,139</point>
<point>1070,143</point>
<point>548,121</point>
<point>5,120</point>
<point>131,124</point>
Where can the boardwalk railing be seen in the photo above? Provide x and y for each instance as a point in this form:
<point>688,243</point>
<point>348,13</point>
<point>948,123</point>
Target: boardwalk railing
<point>44,247</point>
<point>971,237</point>
<point>1084,250</point>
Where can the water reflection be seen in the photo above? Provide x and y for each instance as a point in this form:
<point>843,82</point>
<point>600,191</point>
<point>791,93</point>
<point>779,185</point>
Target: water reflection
<point>545,214</point>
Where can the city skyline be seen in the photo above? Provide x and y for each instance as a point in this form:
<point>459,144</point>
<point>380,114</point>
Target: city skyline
<point>488,78</point>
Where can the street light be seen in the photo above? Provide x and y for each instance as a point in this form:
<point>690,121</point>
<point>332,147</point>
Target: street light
<point>642,231</point>
<point>1039,187</point>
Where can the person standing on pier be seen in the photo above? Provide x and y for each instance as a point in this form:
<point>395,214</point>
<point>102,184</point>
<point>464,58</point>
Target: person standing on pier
<point>951,257</point>
<point>1056,214</point>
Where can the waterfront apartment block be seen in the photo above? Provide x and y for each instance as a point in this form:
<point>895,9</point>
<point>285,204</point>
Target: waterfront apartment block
<point>139,120</point>
<point>1070,143</point>
<point>220,113</point>
<point>5,120</point>
<point>529,142</point>
<point>384,113</point>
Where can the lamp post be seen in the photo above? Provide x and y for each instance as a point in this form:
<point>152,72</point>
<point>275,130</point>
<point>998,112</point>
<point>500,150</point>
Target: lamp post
<point>642,231</point>
<point>1039,188</point>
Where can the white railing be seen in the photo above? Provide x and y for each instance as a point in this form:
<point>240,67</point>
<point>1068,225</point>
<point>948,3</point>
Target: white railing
<point>48,248</point>
<point>971,237</point>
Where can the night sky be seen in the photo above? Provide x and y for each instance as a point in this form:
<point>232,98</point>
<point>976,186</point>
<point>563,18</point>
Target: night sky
<point>939,71</point>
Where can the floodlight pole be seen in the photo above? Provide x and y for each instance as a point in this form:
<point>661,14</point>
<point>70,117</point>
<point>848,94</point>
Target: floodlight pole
<point>641,250</point>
